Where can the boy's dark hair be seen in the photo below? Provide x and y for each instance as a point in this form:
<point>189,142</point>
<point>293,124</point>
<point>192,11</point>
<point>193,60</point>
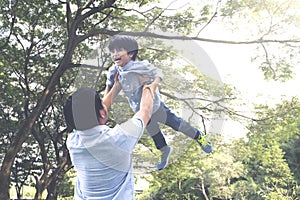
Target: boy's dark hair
<point>81,109</point>
<point>123,41</point>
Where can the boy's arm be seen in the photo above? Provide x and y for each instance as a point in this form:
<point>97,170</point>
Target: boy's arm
<point>158,74</point>
<point>149,80</point>
<point>150,83</point>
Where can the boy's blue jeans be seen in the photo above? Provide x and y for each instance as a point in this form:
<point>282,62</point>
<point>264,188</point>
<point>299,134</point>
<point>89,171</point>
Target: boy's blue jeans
<point>165,116</point>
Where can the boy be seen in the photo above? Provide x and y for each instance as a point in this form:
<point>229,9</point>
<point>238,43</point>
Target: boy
<point>132,76</point>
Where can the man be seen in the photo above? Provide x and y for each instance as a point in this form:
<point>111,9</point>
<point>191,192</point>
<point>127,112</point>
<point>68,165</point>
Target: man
<point>102,155</point>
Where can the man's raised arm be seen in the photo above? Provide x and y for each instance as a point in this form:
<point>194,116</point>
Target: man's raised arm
<point>112,93</point>
<point>146,104</point>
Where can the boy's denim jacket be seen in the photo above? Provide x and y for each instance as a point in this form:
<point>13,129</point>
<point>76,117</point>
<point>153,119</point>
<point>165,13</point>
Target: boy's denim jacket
<point>130,82</point>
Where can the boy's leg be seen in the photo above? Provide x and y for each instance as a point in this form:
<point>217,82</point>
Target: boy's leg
<point>159,140</point>
<point>154,131</point>
<point>179,124</point>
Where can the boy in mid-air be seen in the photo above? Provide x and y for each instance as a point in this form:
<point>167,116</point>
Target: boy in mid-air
<point>132,76</point>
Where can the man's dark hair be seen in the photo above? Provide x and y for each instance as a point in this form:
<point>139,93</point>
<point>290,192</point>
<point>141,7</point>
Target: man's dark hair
<point>81,109</point>
<point>123,41</point>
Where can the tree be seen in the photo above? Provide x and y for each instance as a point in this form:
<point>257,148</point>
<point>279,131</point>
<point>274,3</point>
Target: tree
<point>198,176</point>
<point>30,50</point>
<point>259,166</point>
<point>263,153</point>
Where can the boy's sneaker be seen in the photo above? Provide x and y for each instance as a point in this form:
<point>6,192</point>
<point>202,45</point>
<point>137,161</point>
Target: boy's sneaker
<point>204,142</point>
<point>164,157</point>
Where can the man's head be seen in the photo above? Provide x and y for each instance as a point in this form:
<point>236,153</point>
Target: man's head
<point>84,110</point>
<point>123,49</point>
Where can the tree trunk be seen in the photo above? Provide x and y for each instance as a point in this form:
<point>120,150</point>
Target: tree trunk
<point>53,189</point>
<point>16,145</point>
<point>19,192</point>
<point>39,192</point>
<point>50,182</point>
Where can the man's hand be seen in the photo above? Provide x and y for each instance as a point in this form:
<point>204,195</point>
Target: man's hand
<point>116,79</point>
<point>152,86</point>
<point>111,93</point>
<point>149,83</point>
<point>116,85</point>
<point>143,79</point>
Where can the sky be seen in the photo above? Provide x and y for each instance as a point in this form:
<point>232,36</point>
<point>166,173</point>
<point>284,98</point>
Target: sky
<point>234,65</point>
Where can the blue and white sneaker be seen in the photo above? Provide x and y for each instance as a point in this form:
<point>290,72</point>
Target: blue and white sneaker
<point>164,158</point>
<point>204,142</point>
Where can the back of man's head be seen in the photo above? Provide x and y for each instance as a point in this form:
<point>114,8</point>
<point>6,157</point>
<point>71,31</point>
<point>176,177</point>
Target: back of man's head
<point>81,109</point>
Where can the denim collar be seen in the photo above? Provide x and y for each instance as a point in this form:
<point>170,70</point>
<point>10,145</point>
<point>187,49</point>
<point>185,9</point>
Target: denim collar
<point>127,66</point>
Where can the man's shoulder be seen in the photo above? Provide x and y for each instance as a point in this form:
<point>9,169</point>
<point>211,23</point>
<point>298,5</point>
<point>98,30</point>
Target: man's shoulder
<point>133,126</point>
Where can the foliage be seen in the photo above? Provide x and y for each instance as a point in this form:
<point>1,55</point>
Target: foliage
<point>263,154</point>
<point>264,165</point>
<point>292,155</point>
<point>198,176</point>
<point>67,185</point>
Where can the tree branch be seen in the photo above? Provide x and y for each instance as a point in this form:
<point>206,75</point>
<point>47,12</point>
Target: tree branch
<point>155,18</point>
<point>107,4</point>
<point>170,37</point>
<point>268,62</point>
<point>210,20</point>
<point>73,65</point>
<point>12,24</point>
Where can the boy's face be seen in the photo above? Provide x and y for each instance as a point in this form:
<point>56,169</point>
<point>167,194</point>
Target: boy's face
<point>121,57</point>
